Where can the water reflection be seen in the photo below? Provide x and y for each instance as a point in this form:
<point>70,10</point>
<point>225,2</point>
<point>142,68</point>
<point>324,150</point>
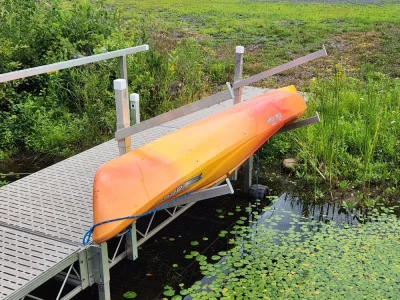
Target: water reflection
<point>289,206</point>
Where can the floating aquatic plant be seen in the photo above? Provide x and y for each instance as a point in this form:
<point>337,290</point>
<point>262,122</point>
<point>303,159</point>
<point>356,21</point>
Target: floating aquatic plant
<point>309,259</point>
<point>130,295</point>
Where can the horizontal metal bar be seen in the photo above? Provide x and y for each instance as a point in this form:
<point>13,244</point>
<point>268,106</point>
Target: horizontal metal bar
<point>40,234</point>
<point>173,114</point>
<point>299,124</point>
<point>70,63</point>
<point>281,68</point>
<point>206,194</point>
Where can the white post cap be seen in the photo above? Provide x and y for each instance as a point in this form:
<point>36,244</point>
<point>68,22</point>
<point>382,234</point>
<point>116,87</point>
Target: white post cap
<point>134,97</point>
<point>239,49</point>
<point>119,84</point>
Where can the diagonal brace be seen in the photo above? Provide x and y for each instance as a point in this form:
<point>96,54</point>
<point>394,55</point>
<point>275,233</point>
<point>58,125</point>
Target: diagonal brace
<point>206,194</point>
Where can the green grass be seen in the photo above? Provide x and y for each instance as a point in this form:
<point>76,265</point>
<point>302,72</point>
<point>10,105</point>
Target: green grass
<point>358,137</point>
<point>275,32</point>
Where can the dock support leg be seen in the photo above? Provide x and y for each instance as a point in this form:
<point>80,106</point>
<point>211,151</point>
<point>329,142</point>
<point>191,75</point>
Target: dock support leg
<point>237,92</point>
<point>102,272</point>
<point>238,73</point>
<point>123,120</point>
<point>248,174</point>
<point>131,243</point>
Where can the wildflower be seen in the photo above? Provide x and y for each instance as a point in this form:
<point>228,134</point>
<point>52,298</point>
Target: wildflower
<point>313,79</point>
<point>328,70</point>
<point>172,68</point>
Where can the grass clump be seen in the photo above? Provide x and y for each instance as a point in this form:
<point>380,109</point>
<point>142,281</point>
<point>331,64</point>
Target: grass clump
<point>357,139</point>
<point>310,259</point>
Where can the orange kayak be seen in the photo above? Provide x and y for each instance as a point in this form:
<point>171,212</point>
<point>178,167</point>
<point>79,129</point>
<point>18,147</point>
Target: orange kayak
<point>191,158</point>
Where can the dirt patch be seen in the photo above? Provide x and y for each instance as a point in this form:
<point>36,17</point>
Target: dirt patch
<point>350,50</point>
<point>165,40</point>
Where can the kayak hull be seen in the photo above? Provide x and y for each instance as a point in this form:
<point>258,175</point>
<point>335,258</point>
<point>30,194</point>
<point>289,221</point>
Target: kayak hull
<point>191,158</point>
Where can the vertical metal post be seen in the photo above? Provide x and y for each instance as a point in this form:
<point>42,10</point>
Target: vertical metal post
<point>135,108</point>
<point>83,269</point>
<point>248,174</point>
<point>123,70</point>
<point>238,73</point>
<point>237,92</point>
<point>102,272</point>
<point>131,243</point>
<point>121,103</point>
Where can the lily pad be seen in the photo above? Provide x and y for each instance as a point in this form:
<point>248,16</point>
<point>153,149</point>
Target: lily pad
<point>169,292</point>
<point>130,295</point>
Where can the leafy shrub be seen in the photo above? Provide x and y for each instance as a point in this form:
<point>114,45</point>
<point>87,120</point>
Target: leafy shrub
<point>67,111</point>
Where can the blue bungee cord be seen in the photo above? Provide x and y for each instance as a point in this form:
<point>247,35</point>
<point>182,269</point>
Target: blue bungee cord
<point>88,234</point>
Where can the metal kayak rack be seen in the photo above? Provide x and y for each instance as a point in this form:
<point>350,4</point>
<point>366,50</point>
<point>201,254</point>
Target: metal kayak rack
<point>43,216</point>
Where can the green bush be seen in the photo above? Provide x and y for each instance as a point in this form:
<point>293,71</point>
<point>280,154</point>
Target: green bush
<point>67,111</point>
<point>56,112</point>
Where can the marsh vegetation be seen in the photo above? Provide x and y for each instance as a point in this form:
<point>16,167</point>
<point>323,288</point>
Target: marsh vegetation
<point>354,151</point>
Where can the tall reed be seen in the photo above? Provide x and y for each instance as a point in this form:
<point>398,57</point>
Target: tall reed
<point>359,131</point>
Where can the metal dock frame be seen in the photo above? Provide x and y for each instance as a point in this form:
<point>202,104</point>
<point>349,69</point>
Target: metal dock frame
<point>43,216</point>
